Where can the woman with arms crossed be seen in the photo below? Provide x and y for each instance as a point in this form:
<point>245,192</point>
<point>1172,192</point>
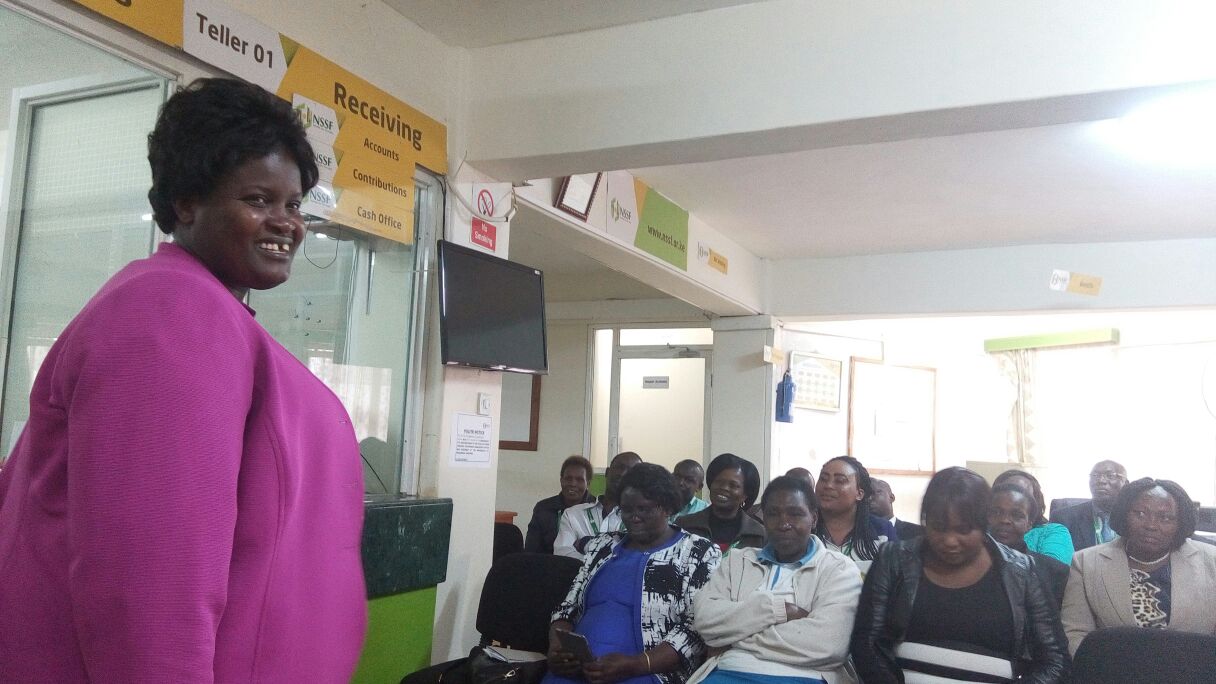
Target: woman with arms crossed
<point>783,613</point>
<point>185,502</point>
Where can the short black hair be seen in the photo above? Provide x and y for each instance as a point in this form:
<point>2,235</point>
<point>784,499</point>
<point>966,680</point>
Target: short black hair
<point>654,482</point>
<point>751,476</point>
<point>210,128</point>
<point>957,489</point>
<point>688,462</point>
<point>789,483</point>
<point>1132,490</point>
<point>578,462</point>
<point>1006,488</point>
<point>1036,491</point>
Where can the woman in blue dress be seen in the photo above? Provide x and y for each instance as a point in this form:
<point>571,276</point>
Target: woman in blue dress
<point>633,597</point>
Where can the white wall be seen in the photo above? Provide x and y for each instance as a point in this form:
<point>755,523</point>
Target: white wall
<point>1134,275</point>
<point>1145,407</point>
<point>675,94</point>
<point>525,477</point>
<point>742,400</point>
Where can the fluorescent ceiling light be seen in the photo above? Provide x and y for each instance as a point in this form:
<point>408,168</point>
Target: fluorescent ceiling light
<point>1177,130</point>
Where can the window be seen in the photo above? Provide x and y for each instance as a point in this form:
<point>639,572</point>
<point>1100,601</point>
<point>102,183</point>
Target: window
<point>75,211</point>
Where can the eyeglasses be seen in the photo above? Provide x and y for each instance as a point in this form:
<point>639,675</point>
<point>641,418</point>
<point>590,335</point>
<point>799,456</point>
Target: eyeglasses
<point>1108,475</point>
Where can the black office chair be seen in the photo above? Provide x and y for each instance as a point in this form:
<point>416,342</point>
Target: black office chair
<point>518,598</point>
<point>1137,655</point>
<point>507,539</point>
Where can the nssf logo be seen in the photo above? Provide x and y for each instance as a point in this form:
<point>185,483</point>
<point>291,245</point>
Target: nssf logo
<point>619,212</point>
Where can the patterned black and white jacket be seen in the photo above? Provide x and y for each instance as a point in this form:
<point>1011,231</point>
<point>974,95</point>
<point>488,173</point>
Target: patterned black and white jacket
<point>672,578</point>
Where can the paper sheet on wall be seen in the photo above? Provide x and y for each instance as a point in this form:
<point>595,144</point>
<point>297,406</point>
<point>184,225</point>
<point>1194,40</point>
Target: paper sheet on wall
<point>471,440</point>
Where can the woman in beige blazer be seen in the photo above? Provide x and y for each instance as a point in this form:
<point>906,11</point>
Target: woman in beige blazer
<point>1153,575</point>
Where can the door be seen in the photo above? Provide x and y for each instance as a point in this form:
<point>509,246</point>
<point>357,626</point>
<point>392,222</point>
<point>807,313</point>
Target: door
<point>659,405</point>
<point>648,392</point>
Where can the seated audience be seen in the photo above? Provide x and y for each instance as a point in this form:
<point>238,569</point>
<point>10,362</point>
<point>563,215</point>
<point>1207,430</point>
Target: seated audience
<point>734,484</point>
<point>690,477</point>
<point>1152,575</point>
<point>783,613</point>
<point>576,473</point>
<point>582,522</point>
<point>953,605</point>
<point>1010,512</point>
<point>1089,523</point>
<point>845,522</point>
<point>633,597</point>
<point>1047,538</point>
<point>882,504</point>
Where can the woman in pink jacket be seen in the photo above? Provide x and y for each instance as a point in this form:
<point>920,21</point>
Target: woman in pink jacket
<point>185,502</point>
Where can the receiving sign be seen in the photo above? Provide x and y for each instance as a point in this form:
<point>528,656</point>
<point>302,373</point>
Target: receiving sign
<point>367,143</point>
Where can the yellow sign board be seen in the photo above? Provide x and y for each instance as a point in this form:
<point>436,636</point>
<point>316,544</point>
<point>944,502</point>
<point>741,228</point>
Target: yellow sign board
<point>367,142</point>
<point>158,19</point>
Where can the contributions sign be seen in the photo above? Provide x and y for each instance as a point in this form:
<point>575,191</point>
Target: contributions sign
<point>367,143</point>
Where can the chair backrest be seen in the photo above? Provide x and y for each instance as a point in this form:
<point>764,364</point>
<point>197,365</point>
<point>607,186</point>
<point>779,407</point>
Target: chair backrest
<point>507,539</point>
<point>1133,654</point>
<point>520,593</point>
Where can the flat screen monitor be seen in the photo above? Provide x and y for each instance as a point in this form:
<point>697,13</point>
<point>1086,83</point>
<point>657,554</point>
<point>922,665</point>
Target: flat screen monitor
<point>491,312</point>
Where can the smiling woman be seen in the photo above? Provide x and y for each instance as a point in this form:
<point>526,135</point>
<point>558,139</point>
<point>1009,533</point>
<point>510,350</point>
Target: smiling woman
<point>164,389</point>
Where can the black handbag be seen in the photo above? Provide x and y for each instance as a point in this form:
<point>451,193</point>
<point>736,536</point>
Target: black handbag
<point>489,667</point>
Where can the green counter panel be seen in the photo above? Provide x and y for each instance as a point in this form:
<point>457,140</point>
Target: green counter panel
<point>405,544</point>
<point>399,636</point>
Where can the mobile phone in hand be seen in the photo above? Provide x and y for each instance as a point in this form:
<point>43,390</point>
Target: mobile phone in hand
<point>576,644</point>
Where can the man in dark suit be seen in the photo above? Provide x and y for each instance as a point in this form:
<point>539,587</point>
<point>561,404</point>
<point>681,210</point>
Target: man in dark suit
<point>1089,522</point>
<point>882,505</point>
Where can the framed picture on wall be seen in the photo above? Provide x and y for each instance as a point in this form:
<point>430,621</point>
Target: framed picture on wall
<point>892,417</point>
<point>576,193</point>
<point>519,413</point>
<point>816,381</point>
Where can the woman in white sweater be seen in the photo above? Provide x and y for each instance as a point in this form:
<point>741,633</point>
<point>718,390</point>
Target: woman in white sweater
<point>783,612</point>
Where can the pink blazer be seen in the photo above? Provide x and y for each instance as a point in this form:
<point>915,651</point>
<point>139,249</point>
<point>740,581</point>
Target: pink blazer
<point>185,502</point>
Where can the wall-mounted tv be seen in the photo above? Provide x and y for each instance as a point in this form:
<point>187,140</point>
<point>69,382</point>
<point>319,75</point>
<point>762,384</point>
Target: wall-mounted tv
<point>491,312</point>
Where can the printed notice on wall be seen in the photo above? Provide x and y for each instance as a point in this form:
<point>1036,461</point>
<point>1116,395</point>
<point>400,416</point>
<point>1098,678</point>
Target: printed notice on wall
<point>471,440</point>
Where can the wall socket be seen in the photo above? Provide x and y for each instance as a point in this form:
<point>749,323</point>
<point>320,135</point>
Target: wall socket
<point>483,404</point>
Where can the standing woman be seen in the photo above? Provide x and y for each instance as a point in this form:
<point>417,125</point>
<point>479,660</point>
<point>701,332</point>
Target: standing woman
<point>185,502</point>
<point>954,604</point>
<point>1047,538</point>
<point>1134,579</point>
<point>845,522</point>
<point>734,484</point>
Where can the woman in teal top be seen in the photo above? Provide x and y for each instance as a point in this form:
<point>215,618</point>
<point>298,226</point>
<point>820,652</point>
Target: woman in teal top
<point>1047,538</point>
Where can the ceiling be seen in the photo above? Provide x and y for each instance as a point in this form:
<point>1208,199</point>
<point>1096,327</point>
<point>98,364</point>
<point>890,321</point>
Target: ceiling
<point>479,23</point>
<point>1042,185</point>
<point>571,276</point>
<point>980,179</point>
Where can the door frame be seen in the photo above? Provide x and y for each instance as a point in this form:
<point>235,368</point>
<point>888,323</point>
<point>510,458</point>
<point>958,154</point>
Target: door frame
<point>664,351</point>
<point>25,103</point>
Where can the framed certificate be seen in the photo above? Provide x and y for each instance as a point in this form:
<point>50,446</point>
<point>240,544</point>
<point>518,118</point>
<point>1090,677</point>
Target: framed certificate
<point>576,194</point>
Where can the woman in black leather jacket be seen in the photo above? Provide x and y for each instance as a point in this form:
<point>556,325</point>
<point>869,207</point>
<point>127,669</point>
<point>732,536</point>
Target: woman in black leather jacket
<point>956,604</point>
